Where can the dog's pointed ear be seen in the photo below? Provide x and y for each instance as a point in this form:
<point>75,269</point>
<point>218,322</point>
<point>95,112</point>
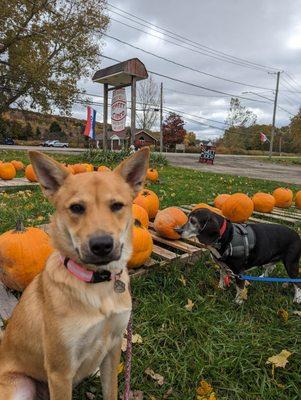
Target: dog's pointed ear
<point>133,169</point>
<point>51,175</point>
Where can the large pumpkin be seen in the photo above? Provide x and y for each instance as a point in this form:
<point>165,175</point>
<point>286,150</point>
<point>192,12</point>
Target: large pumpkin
<point>263,202</point>
<point>23,254</point>
<point>204,205</point>
<point>102,168</point>
<point>142,243</point>
<point>7,171</point>
<point>30,174</point>
<point>19,166</point>
<point>220,199</point>
<point>140,214</point>
<point>79,168</point>
<point>298,199</point>
<point>152,174</point>
<point>238,207</point>
<point>149,201</point>
<point>167,220</point>
<point>283,197</point>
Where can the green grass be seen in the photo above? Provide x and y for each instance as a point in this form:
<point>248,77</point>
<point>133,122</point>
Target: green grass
<point>283,160</point>
<point>219,341</point>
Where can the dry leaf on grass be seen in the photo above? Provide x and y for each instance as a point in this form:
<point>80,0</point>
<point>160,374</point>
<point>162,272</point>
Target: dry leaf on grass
<point>183,280</point>
<point>205,391</point>
<point>244,294</point>
<point>167,393</point>
<point>282,313</point>
<point>136,339</point>
<point>120,368</point>
<point>156,377</point>
<point>189,306</point>
<point>296,312</point>
<point>280,360</point>
<point>134,395</point>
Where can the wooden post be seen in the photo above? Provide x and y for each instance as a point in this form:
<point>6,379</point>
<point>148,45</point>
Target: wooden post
<point>161,117</point>
<point>133,109</point>
<point>105,116</point>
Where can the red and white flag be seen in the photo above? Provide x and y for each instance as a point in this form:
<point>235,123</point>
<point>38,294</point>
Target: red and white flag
<point>263,137</point>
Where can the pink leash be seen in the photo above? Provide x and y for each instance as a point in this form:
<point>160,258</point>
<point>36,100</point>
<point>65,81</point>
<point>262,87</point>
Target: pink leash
<point>128,360</point>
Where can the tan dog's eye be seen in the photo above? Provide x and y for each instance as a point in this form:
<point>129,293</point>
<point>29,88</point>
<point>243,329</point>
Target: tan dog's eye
<point>117,206</point>
<point>77,208</point>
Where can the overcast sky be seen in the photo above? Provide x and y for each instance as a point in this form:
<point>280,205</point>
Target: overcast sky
<point>266,32</point>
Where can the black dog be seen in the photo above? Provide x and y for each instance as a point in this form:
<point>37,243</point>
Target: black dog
<point>239,247</point>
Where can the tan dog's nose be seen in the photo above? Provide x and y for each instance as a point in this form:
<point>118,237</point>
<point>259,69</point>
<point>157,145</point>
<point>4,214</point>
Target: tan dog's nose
<point>101,245</point>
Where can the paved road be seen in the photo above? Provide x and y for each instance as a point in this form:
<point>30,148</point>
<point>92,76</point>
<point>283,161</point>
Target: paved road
<point>248,166</point>
<point>240,166</point>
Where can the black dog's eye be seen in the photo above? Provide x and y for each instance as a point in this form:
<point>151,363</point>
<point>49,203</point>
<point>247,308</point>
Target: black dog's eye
<point>77,208</point>
<point>117,206</point>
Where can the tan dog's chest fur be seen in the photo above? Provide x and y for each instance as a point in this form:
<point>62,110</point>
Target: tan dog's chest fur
<point>64,329</point>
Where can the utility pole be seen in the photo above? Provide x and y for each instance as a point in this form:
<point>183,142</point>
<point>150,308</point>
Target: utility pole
<point>274,115</point>
<point>161,117</point>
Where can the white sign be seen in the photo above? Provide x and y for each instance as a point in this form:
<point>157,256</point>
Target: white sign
<point>118,110</point>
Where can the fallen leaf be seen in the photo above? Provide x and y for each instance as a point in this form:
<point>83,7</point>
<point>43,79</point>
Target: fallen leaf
<point>156,377</point>
<point>183,280</point>
<point>296,312</point>
<point>134,395</point>
<point>123,344</point>
<point>189,306</point>
<point>244,294</point>
<point>282,314</point>
<point>205,391</point>
<point>280,360</point>
<point>167,393</point>
<point>136,338</point>
<point>120,368</point>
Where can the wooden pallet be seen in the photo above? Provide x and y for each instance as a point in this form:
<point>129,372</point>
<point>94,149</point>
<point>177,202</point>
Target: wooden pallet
<point>16,183</point>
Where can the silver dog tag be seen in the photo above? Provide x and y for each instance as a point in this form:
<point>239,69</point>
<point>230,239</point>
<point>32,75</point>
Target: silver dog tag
<point>119,286</point>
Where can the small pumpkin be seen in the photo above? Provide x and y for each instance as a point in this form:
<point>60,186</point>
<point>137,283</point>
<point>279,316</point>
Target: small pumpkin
<point>7,171</point>
<point>167,220</point>
<point>70,168</point>
<point>23,254</point>
<point>89,167</point>
<point>204,205</point>
<point>283,197</point>
<point>149,201</point>
<point>238,207</point>
<point>142,244</point>
<point>298,199</point>
<point>152,174</point>
<point>102,168</point>
<point>79,168</point>
<point>19,166</point>
<point>220,199</point>
<point>30,174</point>
<point>140,214</point>
<point>263,202</point>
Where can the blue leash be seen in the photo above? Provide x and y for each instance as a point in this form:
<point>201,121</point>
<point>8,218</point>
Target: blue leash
<point>268,279</point>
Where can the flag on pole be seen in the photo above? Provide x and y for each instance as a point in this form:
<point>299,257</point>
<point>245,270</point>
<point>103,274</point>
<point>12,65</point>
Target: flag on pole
<point>263,137</point>
<point>91,121</point>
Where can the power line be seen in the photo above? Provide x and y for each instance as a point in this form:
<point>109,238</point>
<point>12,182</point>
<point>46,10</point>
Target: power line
<point>183,38</point>
<point>293,80</point>
<point>182,65</point>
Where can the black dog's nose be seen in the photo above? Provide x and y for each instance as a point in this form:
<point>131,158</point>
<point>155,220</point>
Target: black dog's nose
<point>101,245</point>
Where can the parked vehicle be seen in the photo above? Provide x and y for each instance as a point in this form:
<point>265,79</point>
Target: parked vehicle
<point>55,143</point>
<point>9,141</point>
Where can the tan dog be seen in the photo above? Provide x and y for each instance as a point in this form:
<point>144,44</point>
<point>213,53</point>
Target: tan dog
<point>71,319</point>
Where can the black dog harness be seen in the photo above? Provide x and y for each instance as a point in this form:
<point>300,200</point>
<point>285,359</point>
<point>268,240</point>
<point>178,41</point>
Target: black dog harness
<point>242,243</point>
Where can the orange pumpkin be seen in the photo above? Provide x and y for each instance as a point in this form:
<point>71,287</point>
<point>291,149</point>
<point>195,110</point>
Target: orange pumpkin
<point>283,197</point>
<point>167,220</point>
<point>30,174</point>
<point>298,199</point>
<point>23,254</point>
<point>79,168</point>
<point>152,174</point>
<point>149,201</point>
<point>140,214</point>
<point>220,199</point>
<point>102,168</point>
<point>142,243</point>
<point>7,171</point>
<point>263,202</point>
<point>70,168</point>
<point>89,167</point>
<point>204,205</point>
<point>238,207</point>
<point>19,166</point>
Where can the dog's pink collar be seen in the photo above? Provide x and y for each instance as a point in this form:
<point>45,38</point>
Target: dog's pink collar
<point>85,275</point>
<point>223,228</point>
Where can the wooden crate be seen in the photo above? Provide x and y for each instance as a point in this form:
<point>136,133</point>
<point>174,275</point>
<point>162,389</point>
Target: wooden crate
<point>18,183</point>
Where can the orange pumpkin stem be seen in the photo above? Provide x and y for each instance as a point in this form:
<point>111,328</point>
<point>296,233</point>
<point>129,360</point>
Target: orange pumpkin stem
<point>137,223</point>
<point>19,227</point>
